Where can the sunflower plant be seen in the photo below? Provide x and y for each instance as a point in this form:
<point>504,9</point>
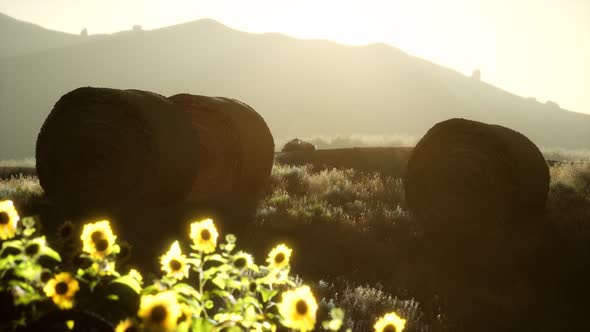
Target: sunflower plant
<point>205,285</point>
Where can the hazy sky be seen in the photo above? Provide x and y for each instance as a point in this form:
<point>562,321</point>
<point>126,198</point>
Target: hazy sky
<point>534,48</point>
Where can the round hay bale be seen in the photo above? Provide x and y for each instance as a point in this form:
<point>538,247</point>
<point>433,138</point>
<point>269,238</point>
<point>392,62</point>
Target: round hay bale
<point>235,149</point>
<point>464,176</point>
<point>298,145</point>
<point>104,149</point>
<point>478,190</point>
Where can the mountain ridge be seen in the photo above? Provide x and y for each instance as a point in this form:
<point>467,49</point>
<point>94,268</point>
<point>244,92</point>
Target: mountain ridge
<point>301,87</point>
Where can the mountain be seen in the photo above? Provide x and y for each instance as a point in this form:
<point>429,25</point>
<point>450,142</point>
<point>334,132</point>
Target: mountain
<point>301,87</point>
<point>18,37</point>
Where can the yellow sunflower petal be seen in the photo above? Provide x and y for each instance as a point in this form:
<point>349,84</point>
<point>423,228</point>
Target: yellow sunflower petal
<point>279,257</point>
<point>160,311</point>
<point>98,238</point>
<point>204,235</point>
<point>391,322</point>
<point>8,220</point>
<point>126,325</point>
<point>62,289</point>
<point>298,309</point>
<point>174,263</point>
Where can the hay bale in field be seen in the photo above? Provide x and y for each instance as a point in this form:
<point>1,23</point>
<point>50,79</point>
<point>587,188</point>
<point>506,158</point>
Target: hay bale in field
<point>298,145</point>
<point>479,192</point>
<point>104,149</point>
<point>235,149</point>
<point>464,175</point>
<point>386,161</point>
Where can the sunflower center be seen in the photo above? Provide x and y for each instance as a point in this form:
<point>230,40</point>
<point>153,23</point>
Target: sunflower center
<point>32,249</point>
<point>96,236</point>
<point>301,307</point>
<point>4,218</point>
<point>279,258</point>
<point>389,328</point>
<point>175,265</point>
<point>61,288</point>
<point>205,234</point>
<point>102,245</point>
<point>131,329</point>
<point>158,314</point>
<point>240,262</point>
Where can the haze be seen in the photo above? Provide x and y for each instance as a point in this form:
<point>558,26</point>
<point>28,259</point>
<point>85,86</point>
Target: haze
<point>534,48</point>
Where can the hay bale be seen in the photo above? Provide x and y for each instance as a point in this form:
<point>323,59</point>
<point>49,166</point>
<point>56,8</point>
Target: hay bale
<point>478,191</point>
<point>465,175</point>
<point>385,161</point>
<point>298,145</point>
<point>235,149</point>
<point>105,149</point>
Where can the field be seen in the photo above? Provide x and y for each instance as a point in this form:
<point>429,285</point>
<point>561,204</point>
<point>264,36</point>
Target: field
<point>355,241</point>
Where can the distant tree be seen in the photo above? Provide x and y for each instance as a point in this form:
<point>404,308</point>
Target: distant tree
<point>476,75</point>
<point>84,32</point>
<point>137,27</point>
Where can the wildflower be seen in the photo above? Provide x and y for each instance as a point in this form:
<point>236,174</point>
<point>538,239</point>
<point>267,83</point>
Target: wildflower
<point>174,263</point>
<point>127,326</point>
<point>391,322</point>
<point>279,257</point>
<point>34,247</point>
<point>204,235</point>
<point>98,239</point>
<point>8,220</point>
<point>242,260</point>
<point>298,309</point>
<point>160,312</point>
<point>62,289</point>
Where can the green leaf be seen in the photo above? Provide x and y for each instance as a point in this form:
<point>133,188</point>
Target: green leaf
<point>47,251</point>
<point>186,289</point>
<point>215,258</point>
<point>113,297</point>
<point>267,294</point>
<point>129,282</point>
<point>219,281</point>
<point>202,325</point>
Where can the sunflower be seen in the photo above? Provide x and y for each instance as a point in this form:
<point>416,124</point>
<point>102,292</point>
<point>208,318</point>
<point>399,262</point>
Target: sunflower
<point>62,289</point>
<point>34,248</point>
<point>174,263</point>
<point>391,322</point>
<point>242,261</point>
<point>279,257</point>
<point>98,239</point>
<point>298,309</point>
<point>8,220</point>
<point>160,312</point>
<point>127,326</point>
<point>204,235</point>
